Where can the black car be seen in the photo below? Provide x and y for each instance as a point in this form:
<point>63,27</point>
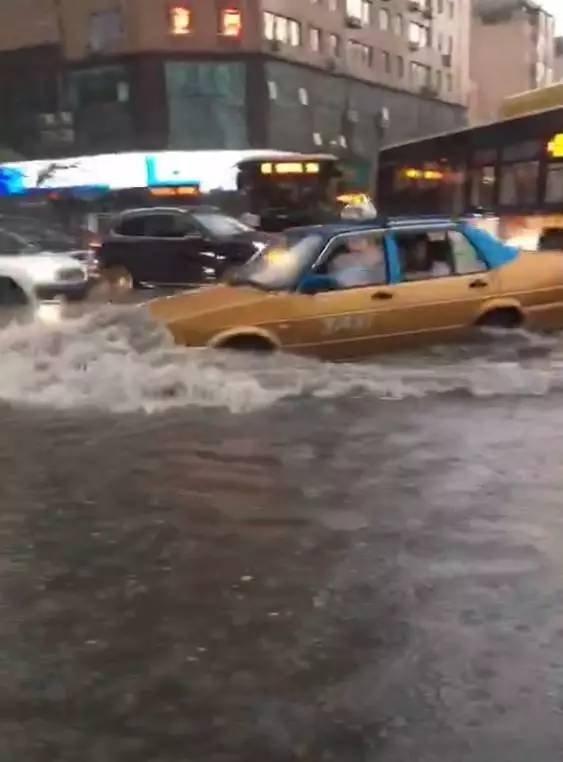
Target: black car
<point>175,247</point>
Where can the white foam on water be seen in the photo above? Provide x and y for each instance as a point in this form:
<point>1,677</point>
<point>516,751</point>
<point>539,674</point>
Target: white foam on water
<point>116,359</point>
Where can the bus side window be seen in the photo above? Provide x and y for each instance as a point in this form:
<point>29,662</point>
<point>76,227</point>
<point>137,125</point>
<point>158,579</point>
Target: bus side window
<point>550,239</point>
<point>465,256</point>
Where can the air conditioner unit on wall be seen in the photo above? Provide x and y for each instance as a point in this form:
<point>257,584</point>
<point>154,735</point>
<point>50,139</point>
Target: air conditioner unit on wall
<point>353,22</point>
<point>429,91</point>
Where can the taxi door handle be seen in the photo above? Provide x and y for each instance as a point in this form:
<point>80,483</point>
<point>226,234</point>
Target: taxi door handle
<point>479,283</point>
<point>382,295</point>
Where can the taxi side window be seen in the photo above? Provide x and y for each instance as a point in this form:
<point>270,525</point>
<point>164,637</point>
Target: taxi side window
<point>356,260</point>
<point>424,255</point>
<point>465,255</point>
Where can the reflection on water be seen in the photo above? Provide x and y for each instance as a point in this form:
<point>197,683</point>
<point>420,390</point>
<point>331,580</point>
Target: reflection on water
<point>286,560</point>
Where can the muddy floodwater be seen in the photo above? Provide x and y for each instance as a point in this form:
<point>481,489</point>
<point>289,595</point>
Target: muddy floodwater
<point>239,559</point>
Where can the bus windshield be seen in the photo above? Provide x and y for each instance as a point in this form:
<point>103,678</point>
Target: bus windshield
<point>291,193</point>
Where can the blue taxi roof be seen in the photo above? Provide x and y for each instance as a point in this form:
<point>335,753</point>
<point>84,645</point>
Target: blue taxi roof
<point>493,251</point>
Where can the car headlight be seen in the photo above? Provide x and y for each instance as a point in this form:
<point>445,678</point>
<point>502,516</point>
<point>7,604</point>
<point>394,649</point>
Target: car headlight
<point>259,246</point>
<point>72,274</point>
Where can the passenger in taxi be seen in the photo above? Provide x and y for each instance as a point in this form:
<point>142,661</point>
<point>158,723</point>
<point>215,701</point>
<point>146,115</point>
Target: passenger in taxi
<point>423,259</point>
<point>361,262</point>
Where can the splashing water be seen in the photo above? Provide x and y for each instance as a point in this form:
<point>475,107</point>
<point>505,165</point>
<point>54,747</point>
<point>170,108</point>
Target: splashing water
<point>116,359</point>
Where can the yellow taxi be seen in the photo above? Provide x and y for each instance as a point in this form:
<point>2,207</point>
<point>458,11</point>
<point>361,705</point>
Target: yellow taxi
<point>348,290</point>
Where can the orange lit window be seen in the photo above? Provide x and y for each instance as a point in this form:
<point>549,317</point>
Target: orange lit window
<point>180,20</point>
<point>231,22</point>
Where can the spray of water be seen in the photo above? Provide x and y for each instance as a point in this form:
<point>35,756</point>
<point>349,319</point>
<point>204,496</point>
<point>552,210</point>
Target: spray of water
<point>116,359</point>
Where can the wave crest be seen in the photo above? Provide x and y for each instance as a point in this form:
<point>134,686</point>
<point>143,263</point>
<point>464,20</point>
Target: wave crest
<point>116,359</point>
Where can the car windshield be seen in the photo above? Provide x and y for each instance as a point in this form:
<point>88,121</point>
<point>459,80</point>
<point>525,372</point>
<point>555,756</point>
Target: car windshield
<point>281,265</point>
<point>221,225</point>
<point>38,236</point>
<point>12,244</point>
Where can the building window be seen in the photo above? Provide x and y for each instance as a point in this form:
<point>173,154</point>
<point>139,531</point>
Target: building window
<point>230,24</point>
<point>420,74</point>
<point>519,183</point>
<point>439,81</point>
<point>440,6</point>
<point>282,29</point>
<point>315,39</point>
<point>294,32</point>
<point>366,12</point>
<point>269,25</point>
<point>272,90</point>
<point>450,82</point>
<point>384,19</point>
<point>180,20</point>
<point>525,150</point>
<point>333,5</point>
<point>400,67</point>
<point>303,96</point>
<point>334,45</point>
<point>451,9</point>
<point>541,74</point>
<point>105,30</point>
<point>360,53</point>
<point>399,25</point>
<point>419,35</point>
<point>386,61</point>
<point>482,187</point>
<point>317,138</point>
<point>354,9</point>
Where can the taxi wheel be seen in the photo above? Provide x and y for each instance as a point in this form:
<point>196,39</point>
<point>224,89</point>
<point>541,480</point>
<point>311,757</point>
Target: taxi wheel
<point>118,280</point>
<point>508,317</point>
<point>248,344</point>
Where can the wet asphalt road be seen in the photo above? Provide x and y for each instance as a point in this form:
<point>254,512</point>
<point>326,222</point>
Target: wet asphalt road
<point>283,561</point>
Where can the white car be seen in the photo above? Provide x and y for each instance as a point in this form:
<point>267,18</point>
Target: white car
<point>16,288</point>
<point>49,275</point>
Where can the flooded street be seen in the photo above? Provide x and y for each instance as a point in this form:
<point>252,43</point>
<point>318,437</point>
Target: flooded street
<point>241,559</point>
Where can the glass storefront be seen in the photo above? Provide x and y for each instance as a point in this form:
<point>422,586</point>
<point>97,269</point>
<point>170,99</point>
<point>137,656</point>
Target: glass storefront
<point>206,104</point>
<point>100,100</point>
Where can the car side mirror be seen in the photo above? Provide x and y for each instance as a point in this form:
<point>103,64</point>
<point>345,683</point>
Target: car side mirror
<point>314,284</point>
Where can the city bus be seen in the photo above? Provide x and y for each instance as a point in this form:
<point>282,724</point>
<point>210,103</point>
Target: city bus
<point>275,188</point>
<point>509,171</point>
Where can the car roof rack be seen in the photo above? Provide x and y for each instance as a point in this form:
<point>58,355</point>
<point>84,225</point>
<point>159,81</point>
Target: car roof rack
<point>417,219</point>
<point>387,221</point>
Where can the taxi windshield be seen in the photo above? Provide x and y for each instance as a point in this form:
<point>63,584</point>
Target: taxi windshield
<point>281,265</point>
